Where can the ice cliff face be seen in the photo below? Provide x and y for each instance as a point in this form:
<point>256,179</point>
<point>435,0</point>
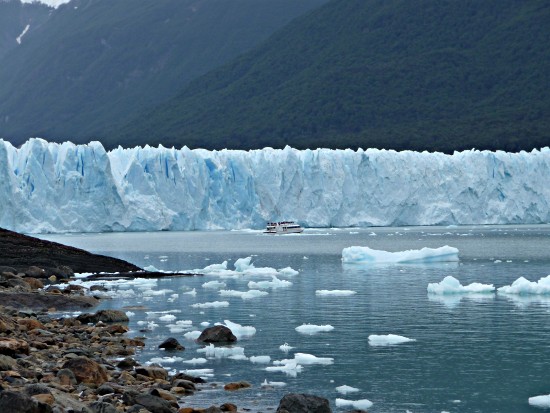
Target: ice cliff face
<point>47,187</point>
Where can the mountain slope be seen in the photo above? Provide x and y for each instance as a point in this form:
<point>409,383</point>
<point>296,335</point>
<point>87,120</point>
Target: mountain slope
<point>436,75</point>
<point>98,62</point>
<point>14,19</point>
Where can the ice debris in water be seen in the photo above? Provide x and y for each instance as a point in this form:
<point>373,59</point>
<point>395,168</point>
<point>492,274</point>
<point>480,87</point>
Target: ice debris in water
<point>335,292</point>
<point>540,401</point>
<point>285,347</point>
<point>291,369</point>
<point>388,340</point>
<point>238,330</point>
<point>204,373</point>
<point>214,284</point>
<point>221,352</point>
<point>193,292</point>
<point>198,360</point>
<point>192,335</point>
<point>523,286</point>
<point>313,329</point>
<point>354,404</point>
<point>245,295</point>
<point>213,304</point>
<point>273,284</point>
<point>273,383</point>
<point>346,389</point>
<point>260,359</point>
<point>243,267</point>
<point>450,285</point>
<point>365,255</point>
<point>305,359</point>
<point>167,318</point>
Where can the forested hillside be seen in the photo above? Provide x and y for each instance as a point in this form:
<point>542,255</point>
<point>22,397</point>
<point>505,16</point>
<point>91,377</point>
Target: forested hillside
<point>96,63</point>
<point>422,75</point>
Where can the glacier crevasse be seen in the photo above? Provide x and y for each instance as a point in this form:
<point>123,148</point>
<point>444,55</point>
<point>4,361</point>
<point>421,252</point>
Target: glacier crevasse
<point>50,187</point>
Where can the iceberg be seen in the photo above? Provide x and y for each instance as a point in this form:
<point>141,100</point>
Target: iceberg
<point>354,404</point>
<point>365,255</point>
<point>313,329</point>
<point>50,187</point>
<point>450,285</point>
<point>540,401</point>
<point>388,340</point>
<point>522,286</point>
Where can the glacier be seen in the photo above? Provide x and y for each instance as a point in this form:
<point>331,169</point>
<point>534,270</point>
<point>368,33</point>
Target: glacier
<point>50,187</point>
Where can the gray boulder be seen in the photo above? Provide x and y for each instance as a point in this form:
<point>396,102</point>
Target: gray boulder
<point>217,334</point>
<point>303,403</point>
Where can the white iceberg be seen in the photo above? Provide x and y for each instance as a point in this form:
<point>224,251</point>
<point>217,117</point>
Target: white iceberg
<point>285,347</point>
<point>540,401</point>
<point>522,286</point>
<point>305,359</point>
<point>450,285</point>
<point>273,284</point>
<point>313,329</point>
<point>260,359</point>
<point>238,330</point>
<point>354,404</point>
<point>346,389</point>
<point>214,284</point>
<point>365,255</point>
<point>388,340</point>
<point>213,304</point>
<point>266,383</point>
<point>291,369</point>
<point>335,293</point>
<point>212,351</point>
<point>245,295</point>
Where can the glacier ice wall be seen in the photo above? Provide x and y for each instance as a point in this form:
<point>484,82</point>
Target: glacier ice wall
<point>48,187</point>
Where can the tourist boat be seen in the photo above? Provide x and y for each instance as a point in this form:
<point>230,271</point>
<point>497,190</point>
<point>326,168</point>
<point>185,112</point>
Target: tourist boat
<point>283,227</point>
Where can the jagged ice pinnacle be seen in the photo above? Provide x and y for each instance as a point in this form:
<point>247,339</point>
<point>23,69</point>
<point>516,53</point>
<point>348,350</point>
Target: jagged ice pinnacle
<point>49,187</point>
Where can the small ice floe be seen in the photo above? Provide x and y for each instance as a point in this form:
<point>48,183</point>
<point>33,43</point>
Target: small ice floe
<point>214,285</point>
<point>273,284</point>
<point>365,255</point>
<point>346,389</point>
<point>273,383</point>
<point>305,258</point>
<point>313,329</point>
<point>522,286</point>
<point>287,271</point>
<point>238,330</point>
<point>540,401</point>
<point>198,360</point>
<point>450,285</point>
<point>305,360</point>
<point>193,292</point>
<point>388,340</point>
<point>285,347</point>
<point>497,261</point>
<point>212,351</point>
<point>130,314</point>
<point>173,298</point>
<point>164,360</point>
<point>192,335</point>
<point>245,295</point>
<point>260,359</point>
<point>243,267</point>
<point>167,318</point>
<point>204,373</point>
<point>205,324</point>
<point>335,293</point>
<point>291,369</point>
<point>363,404</point>
<point>180,326</point>
<point>214,304</point>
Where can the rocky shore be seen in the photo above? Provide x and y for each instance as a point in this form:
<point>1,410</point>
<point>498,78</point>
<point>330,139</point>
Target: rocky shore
<point>86,364</point>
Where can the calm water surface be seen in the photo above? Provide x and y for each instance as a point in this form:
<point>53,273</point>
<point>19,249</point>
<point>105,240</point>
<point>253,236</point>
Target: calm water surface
<point>486,353</point>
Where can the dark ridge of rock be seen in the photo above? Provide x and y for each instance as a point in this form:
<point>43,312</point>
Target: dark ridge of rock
<point>106,316</point>
<point>303,403</point>
<point>20,252</point>
<point>171,344</point>
<point>41,301</point>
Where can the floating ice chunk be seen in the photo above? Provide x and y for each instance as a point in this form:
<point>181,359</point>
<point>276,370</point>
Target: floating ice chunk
<point>307,360</point>
<point>285,347</point>
<point>335,292</point>
<point>523,286</point>
<point>291,369</point>
<point>130,314</point>
<point>214,304</point>
<point>273,383</point>
<point>313,329</point>
<point>243,264</point>
<point>214,284</point>
<point>365,255</point>
<point>221,352</point>
<point>151,268</point>
<point>237,357</point>
<point>199,372</point>
<point>540,401</point>
<point>238,330</point>
<point>346,389</point>
<point>167,318</point>
<point>199,360</point>
<point>450,285</point>
<point>192,335</point>
<point>274,284</point>
<point>289,271</point>
<point>164,360</point>
<point>260,359</point>
<point>205,324</point>
<point>193,292</point>
<point>154,313</point>
<point>245,295</point>
<point>388,340</point>
<point>354,404</point>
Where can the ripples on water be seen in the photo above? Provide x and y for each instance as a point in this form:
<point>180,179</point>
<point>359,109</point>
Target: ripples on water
<point>478,353</point>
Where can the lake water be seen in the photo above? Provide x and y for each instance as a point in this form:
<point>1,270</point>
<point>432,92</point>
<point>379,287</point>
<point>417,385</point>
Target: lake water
<point>481,353</point>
